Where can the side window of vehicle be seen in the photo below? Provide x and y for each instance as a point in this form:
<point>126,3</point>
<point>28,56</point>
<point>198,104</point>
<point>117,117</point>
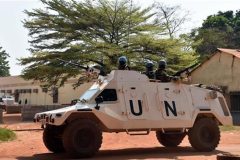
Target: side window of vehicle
<point>109,95</point>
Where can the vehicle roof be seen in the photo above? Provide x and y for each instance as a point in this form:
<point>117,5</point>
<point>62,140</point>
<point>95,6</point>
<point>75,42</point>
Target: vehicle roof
<point>127,75</point>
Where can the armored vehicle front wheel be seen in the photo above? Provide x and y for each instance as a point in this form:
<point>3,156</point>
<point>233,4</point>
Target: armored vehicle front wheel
<point>170,139</point>
<point>52,138</point>
<point>82,138</point>
<point>205,135</point>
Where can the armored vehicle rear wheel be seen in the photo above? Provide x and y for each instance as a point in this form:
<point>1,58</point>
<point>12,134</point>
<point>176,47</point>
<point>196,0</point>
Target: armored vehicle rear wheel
<point>52,139</point>
<point>205,135</point>
<point>170,139</point>
<point>82,138</point>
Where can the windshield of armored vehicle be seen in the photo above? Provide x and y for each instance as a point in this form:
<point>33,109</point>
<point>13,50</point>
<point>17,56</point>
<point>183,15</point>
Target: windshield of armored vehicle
<point>88,94</point>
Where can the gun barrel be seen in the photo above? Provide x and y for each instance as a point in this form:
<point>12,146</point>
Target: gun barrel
<point>185,69</point>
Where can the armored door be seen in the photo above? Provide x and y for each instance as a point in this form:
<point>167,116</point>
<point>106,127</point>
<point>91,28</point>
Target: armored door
<point>174,102</point>
<point>134,101</point>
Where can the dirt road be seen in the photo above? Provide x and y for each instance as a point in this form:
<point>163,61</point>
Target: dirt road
<point>29,146</point>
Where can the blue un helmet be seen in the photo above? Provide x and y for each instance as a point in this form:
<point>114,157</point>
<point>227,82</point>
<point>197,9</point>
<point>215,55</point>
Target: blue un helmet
<point>162,64</point>
<point>122,60</point>
<point>149,64</point>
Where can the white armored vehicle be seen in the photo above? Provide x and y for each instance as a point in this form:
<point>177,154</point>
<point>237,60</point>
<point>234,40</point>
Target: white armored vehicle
<point>127,101</point>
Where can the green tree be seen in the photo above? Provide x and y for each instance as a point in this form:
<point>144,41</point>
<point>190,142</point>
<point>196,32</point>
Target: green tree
<point>220,30</point>
<point>4,66</point>
<point>92,32</point>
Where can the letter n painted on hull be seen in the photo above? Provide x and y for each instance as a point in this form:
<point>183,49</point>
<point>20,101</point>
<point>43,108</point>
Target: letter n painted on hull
<point>172,108</point>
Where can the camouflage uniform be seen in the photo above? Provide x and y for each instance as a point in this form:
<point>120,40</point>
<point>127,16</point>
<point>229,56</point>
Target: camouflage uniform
<point>161,74</point>
<point>150,74</point>
<point>125,67</point>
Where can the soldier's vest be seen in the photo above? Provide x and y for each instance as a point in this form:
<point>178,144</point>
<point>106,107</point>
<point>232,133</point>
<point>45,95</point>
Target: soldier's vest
<point>162,75</point>
<point>150,74</point>
<point>124,67</point>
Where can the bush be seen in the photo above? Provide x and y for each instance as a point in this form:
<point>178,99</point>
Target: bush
<point>6,135</point>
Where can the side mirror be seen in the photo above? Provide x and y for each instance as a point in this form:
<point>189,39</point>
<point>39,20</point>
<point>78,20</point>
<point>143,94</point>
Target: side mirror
<point>99,100</point>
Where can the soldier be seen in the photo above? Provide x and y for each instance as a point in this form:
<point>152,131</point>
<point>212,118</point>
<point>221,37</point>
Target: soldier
<point>149,70</point>
<point>160,73</point>
<point>122,63</point>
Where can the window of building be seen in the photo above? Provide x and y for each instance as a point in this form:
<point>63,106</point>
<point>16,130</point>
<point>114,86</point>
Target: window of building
<point>9,91</point>
<point>28,91</point>
<point>35,90</point>
<point>109,95</point>
<point>45,90</point>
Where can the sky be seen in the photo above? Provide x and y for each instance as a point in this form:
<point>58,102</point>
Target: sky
<point>14,37</point>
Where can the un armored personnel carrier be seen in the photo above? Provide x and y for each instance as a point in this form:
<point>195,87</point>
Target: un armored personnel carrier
<point>127,101</point>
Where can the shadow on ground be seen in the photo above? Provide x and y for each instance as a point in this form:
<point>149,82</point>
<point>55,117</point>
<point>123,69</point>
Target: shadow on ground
<point>131,153</point>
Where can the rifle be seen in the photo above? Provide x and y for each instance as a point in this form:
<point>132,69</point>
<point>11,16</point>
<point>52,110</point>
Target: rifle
<point>95,68</point>
<point>185,70</point>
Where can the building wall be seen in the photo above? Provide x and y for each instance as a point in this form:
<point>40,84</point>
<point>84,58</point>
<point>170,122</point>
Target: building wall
<point>221,70</point>
<point>30,92</point>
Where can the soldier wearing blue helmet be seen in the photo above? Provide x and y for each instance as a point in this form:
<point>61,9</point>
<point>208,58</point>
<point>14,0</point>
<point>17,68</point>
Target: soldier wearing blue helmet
<point>122,63</point>
<point>161,73</point>
<point>149,70</point>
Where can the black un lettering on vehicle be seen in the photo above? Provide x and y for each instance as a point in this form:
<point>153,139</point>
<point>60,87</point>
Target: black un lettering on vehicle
<point>139,108</point>
<point>171,108</point>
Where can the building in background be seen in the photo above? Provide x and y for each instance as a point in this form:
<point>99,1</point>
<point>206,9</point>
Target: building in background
<point>222,69</point>
<point>31,93</point>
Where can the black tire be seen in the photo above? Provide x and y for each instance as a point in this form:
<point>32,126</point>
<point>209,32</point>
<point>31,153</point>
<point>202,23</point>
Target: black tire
<point>170,139</point>
<point>82,138</point>
<point>52,138</point>
<point>205,135</point>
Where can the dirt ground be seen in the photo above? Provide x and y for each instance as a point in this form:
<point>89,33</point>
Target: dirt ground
<point>29,145</point>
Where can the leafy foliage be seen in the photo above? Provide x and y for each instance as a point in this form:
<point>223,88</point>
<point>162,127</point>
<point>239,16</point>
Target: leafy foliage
<point>6,135</point>
<point>95,32</point>
<point>218,31</point>
<point>4,66</point>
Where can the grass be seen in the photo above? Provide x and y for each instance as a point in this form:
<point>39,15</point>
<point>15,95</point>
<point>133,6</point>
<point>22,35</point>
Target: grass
<point>230,128</point>
<point>6,135</point>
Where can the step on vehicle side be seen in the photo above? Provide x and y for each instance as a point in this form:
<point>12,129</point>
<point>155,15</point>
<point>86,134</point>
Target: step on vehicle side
<point>127,101</point>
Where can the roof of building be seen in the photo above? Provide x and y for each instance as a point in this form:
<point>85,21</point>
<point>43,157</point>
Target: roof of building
<point>14,80</point>
<point>234,52</point>
<point>19,81</point>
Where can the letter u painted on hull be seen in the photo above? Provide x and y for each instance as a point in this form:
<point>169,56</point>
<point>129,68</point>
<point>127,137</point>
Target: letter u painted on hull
<point>139,108</point>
